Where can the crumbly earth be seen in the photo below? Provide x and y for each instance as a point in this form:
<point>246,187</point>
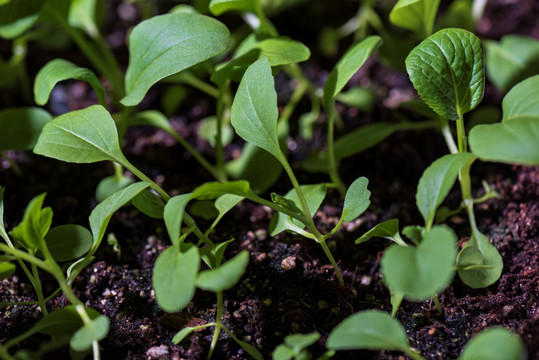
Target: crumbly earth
<point>289,287</point>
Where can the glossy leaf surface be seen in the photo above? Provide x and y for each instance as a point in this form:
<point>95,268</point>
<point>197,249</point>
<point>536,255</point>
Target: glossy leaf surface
<point>225,276</point>
<point>415,15</point>
<point>446,69</point>
<point>21,127</point>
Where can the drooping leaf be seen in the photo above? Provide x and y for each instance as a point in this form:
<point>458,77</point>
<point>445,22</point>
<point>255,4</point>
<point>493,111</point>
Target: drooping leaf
<point>218,7</point>
<point>348,65</point>
<point>97,330</point>
<point>357,199</point>
<point>422,272</point>
<point>150,204</point>
<point>516,138</point>
<point>511,60</point>
<point>225,276</point>
<point>21,127</point>
<point>82,16</point>
<point>479,263</point>
<point>58,70</point>
<point>254,110</point>
<point>167,44</point>
<point>35,224</point>
<point>17,16</point>
<point>388,229</point>
<point>6,269</point>
<point>173,215</point>
<point>110,185</point>
<point>174,277</point>
<point>436,182</point>
<point>100,216</point>
<point>415,15</point>
<point>446,69</point>
<point>494,344</point>
<point>373,330</point>
<point>83,136</point>
<point>68,242</point>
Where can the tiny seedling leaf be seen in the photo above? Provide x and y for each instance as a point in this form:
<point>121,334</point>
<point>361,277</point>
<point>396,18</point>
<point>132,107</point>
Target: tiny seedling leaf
<point>174,277</point>
<point>225,276</point>
<point>372,330</point>
<point>415,15</point>
<point>436,182</point>
<point>494,344</point>
<point>150,204</point>
<point>446,69</point>
<point>388,229</point>
<point>213,254</point>
<point>226,202</point>
<point>95,331</point>
<point>479,263</point>
<point>21,127</point>
<point>83,136</point>
<point>58,70</point>
<point>357,199</point>
<point>64,321</point>
<point>213,190</point>
<point>68,242</point>
<point>422,272</point>
<point>348,65</point>
<point>18,16</point>
<point>110,185</point>
<point>173,215</point>
<point>167,44</point>
<point>254,110</point>
<point>299,342</point>
<point>35,224</point>
<point>218,7</point>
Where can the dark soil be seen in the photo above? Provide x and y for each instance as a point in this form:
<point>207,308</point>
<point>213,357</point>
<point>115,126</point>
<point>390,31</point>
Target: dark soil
<point>289,286</point>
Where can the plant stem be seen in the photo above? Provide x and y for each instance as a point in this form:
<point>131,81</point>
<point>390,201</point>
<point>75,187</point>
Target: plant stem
<point>332,161</point>
<point>4,354</point>
<point>414,355</point>
<point>222,110</point>
<point>218,322</point>
<point>188,78</point>
<point>438,305</point>
<point>331,259</point>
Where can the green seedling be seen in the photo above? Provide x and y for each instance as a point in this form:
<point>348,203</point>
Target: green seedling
<point>295,348</point>
<point>376,330</point>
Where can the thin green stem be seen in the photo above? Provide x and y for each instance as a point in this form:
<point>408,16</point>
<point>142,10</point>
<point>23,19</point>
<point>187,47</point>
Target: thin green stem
<point>16,168</point>
<point>438,305</point>
<point>413,354</point>
<point>188,78</point>
<point>39,290</point>
<point>293,102</point>
<point>448,137</point>
<point>331,259</point>
<point>4,354</point>
<point>218,323</point>
<point>332,161</point>
<point>223,112</point>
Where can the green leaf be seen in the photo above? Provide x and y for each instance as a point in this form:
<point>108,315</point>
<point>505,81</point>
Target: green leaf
<point>436,182</point>
<point>64,321</point>
<point>286,203</point>
<point>3,232</point>
<point>58,70</point>
<point>68,242</point>
<point>151,118</point>
<point>213,190</point>
<point>516,138</point>
<point>254,110</point>
<point>415,15</point>
<point>21,127</point>
<point>17,16</point>
<point>174,277</point>
<point>100,216</point>
<point>282,352</point>
<point>213,254</point>
<point>35,224</point>
<point>422,272</point>
<point>218,7</point>
<point>225,276</point>
<point>511,60</point>
<point>6,269</point>
<point>372,330</point>
<point>173,215</point>
<point>208,131</point>
<point>348,65</point>
<point>97,330</point>
<point>150,204</point>
<point>359,97</point>
<point>83,136</point>
<point>388,229</point>
<point>479,263</point>
<point>494,344</point>
<point>110,185</point>
<point>82,16</point>
<point>299,342</point>
<point>167,44</point>
<point>446,69</point>
<point>356,200</point>
<point>314,195</point>
<point>226,202</point>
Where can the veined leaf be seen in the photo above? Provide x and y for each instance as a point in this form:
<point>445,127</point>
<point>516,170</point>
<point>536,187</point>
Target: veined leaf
<point>446,69</point>
<point>479,262</point>
<point>58,70</point>
<point>110,185</point>
<point>83,136</point>
<point>521,102</point>
<point>174,277</point>
<point>348,65</point>
<point>436,182</point>
<point>372,330</point>
<point>167,44</point>
<point>422,272</point>
<point>225,276</point>
<point>357,199</point>
<point>21,127</point>
<point>415,15</point>
<point>254,110</point>
<point>494,344</point>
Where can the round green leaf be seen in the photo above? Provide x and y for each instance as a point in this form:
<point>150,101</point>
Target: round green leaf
<point>97,330</point>
<point>446,69</point>
<point>68,242</point>
<point>21,127</point>
<point>372,330</point>
<point>494,344</point>
<point>422,272</point>
<point>479,262</point>
<point>167,44</point>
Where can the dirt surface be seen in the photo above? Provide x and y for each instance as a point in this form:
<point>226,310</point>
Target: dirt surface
<point>289,286</point>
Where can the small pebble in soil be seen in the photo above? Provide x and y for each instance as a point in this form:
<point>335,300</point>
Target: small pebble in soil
<point>288,263</point>
<point>432,331</point>
<point>157,352</point>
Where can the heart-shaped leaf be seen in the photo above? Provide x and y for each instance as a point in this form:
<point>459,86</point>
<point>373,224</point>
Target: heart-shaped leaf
<point>447,72</point>
<point>422,272</point>
<point>356,200</point>
<point>21,127</point>
<point>68,242</point>
<point>479,263</point>
<point>225,276</point>
<point>494,344</point>
<point>174,277</point>
<point>97,330</point>
<point>254,110</point>
<point>167,44</point>
<point>372,330</point>
<point>436,182</point>
<point>58,70</point>
<point>83,136</point>
<point>415,15</point>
